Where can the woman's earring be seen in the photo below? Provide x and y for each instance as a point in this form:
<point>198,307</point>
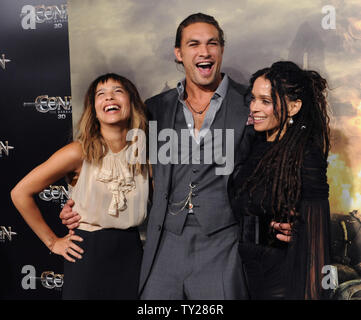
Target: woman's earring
<point>290,122</point>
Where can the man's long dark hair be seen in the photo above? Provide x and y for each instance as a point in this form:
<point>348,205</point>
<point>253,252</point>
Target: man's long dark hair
<point>196,18</point>
<point>280,167</point>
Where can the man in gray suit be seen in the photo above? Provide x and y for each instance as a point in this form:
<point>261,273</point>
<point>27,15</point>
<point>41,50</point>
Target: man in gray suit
<point>192,234</point>
<point>191,249</point>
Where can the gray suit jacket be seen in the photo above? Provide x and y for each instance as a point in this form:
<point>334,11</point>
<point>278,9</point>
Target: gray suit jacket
<point>162,108</point>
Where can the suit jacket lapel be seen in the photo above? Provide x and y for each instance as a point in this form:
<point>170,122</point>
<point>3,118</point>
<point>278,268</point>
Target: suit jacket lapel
<point>236,112</point>
<point>236,118</point>
<point>168,110</point>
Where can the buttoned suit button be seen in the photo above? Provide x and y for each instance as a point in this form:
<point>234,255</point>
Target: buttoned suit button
<point>159,227</point>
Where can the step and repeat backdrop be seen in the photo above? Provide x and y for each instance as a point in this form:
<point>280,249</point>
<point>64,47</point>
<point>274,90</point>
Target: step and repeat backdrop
<point>36,120</point>
<point>41,100</point>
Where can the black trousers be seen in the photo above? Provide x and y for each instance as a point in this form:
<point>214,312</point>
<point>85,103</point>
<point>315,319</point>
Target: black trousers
<point>265,271</point>
<point>109,268</point>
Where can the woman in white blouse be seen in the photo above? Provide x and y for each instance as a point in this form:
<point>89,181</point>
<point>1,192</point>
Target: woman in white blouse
<point>109,187</point>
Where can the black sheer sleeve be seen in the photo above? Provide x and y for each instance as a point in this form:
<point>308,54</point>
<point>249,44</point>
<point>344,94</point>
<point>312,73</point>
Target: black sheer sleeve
<point>309,249</point>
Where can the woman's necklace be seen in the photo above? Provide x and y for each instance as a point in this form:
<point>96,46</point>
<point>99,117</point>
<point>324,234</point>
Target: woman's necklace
<point>199,112</point>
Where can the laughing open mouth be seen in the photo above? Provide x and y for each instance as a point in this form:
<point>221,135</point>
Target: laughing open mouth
<point>112,107</point>
<point>205,65</point>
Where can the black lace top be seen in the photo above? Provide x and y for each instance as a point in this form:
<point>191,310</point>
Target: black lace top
<point>308,250</point>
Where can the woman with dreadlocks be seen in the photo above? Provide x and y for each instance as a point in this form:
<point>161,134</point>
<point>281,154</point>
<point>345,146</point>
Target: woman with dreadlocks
<point>283,183</point>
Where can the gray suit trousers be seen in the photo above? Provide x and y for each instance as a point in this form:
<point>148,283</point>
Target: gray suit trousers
<point>195,266</point>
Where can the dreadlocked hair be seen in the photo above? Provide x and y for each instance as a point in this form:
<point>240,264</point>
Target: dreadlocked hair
<point>280,168</point>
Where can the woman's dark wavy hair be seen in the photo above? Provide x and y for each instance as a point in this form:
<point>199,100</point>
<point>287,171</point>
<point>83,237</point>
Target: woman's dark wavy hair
<point>280,167</point>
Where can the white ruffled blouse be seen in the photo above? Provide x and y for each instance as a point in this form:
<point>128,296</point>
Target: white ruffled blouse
<point>110,196</point>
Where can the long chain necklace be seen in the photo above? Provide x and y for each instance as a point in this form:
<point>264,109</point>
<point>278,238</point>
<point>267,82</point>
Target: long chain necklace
<point>199,112</point>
